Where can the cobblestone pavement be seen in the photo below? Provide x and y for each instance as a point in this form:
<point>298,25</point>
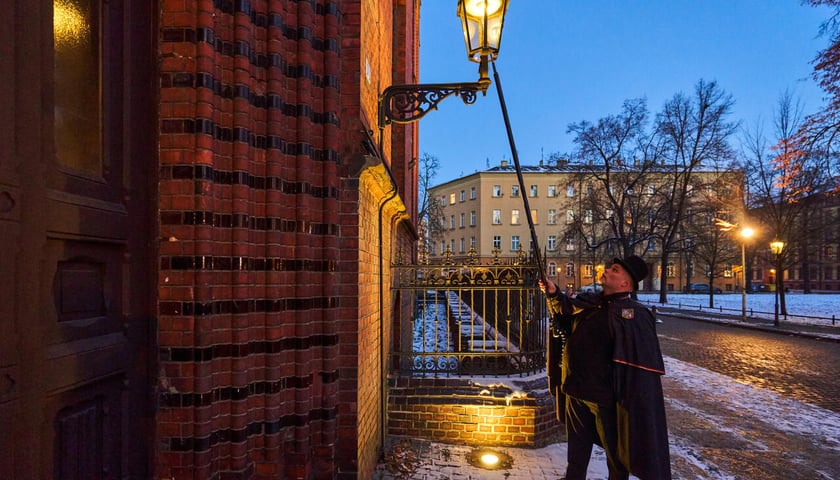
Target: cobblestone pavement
<point>710,438</point>
<point>796,366</point>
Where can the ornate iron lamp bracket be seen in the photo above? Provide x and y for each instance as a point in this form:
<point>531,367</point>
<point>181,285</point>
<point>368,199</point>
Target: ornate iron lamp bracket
<point>409,103</point>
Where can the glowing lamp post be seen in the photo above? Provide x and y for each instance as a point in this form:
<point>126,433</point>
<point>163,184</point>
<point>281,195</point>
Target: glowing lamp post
<point>776,246</point>
<point>746,233</point>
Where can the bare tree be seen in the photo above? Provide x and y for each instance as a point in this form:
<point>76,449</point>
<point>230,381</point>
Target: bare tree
<point>696,132</point>
<point>615,156</point>
<point>706,245</point>
<point>821,131</point>
<point>430,214</point>
<point>781,180</point>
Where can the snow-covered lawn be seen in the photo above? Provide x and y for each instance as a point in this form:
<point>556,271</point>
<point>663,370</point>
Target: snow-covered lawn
<point>800,307</point>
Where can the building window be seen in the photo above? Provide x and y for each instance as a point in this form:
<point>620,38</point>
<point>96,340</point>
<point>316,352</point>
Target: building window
<point>672,270</point>
<point>463,245</point>
<point>552,191</point>
<point>514,243</point>
<point>463,220</point>
<point>452,245</point>
<point>535,217</point>
<point>79,68</point>
<point>587,216</point>
<point>514,190</point>
<point>497,243</point>
<point>497,190</point>
<point>588,270</point>
<point>552,269</point>
<point>570,269</point>
<point>727,271</point>
<point>514,217</point>
<point>570,216</point>
<point>472,218</point>
<point>651,190</point>
<point>570,190</point>
<point>443,201</point>
<point>497,217</point>
<point>552,216</point>
<point>552,242</point>
<point>472,193</point>
<point>452,222</point>
<point>463,195</point>
<point>570,243</point>
<point>534,190</point>
<point>452,199</point>
<point>472,242</point>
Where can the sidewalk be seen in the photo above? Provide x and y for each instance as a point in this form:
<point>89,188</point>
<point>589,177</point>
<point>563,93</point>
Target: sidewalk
<point>718,429</point>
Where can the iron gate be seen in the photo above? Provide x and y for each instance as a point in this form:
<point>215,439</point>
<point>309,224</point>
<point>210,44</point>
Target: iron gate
<point>486,318</point>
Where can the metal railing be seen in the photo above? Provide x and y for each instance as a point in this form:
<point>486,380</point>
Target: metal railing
<point>472,318</point>
<point>679,305</point>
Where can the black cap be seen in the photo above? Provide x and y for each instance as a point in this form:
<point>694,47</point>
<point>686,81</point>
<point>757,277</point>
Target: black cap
<point>635,266</point>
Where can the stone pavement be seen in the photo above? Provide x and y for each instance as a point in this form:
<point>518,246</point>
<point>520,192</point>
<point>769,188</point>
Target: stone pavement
<point>709,439</point>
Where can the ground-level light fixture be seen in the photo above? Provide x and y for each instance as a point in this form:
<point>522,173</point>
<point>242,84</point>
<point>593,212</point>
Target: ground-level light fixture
<point>489,459</point>
<point>482,22</point>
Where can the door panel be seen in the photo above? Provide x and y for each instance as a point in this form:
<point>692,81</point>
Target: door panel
<point>76,308</point>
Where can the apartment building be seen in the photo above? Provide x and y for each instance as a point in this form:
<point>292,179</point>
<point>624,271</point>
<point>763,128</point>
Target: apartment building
<point>485,212</point>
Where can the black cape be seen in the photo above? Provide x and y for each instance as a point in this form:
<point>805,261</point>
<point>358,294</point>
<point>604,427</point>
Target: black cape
<point>638,370</point>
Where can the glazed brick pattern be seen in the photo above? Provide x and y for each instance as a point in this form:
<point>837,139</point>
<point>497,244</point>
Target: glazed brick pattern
<point>256,291</point>
<point>458,411</point>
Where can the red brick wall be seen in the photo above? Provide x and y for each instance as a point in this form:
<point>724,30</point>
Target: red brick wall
<point>459,411</point>
<point>269,321</point>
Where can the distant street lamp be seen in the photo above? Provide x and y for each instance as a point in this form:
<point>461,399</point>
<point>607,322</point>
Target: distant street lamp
<point>746,233</point>
<point>776,246</point>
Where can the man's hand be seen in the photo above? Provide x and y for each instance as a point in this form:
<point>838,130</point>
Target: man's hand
<point>548,286</point>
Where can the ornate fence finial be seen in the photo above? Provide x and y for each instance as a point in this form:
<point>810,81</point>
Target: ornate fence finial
<point>497,256</point>
<point>447,257</point>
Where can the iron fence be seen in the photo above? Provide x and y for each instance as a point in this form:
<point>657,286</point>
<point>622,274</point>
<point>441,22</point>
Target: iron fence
<point>472,318</point>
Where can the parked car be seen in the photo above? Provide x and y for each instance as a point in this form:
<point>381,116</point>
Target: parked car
<point>699,288</point>
<point>591,288</point>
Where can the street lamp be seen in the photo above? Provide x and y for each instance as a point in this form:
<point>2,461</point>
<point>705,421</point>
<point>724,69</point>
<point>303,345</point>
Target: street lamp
<point>776,246</point>
<point>482,22</point>
<point>746,233</point>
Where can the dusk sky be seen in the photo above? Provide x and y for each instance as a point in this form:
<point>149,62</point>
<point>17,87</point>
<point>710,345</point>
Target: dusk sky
<point>564,61</point>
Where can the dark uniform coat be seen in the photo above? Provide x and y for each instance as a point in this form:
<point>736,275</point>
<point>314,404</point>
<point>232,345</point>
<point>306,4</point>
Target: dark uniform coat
<point>624,369</point>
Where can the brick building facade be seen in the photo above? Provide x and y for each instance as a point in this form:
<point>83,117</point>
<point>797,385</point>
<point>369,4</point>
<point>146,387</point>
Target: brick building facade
<point>204,291</point>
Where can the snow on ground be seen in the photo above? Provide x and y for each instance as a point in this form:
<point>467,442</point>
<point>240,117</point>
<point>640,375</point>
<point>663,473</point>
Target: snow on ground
<point>787,415</point>
<point>812,308</point>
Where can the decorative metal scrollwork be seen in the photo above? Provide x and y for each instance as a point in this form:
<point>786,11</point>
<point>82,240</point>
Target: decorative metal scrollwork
<point>409,103</point>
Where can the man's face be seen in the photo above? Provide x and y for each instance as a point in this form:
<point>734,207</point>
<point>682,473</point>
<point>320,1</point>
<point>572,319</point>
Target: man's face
<point>616,279</point>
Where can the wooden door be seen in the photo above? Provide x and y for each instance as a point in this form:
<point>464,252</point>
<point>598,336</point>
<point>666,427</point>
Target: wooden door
<point>76,239</point>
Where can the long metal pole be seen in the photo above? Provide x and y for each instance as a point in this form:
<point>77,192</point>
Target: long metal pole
<point>534,242</point>
<point>776,289</point>
<point>743,282</point>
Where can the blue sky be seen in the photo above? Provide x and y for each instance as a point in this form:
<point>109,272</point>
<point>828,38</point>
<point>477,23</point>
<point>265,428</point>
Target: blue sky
<point>563,61</point>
